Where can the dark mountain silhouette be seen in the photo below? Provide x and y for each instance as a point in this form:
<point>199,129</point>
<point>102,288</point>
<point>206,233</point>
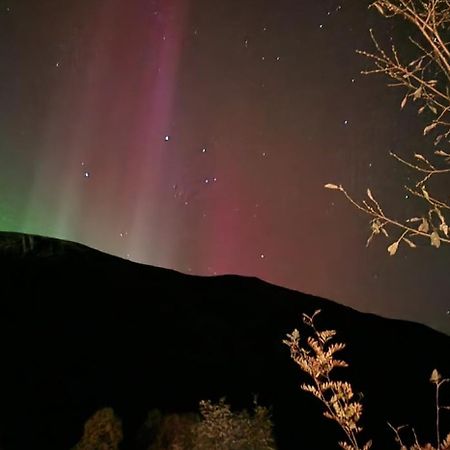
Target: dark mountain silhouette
<point>81,330</point>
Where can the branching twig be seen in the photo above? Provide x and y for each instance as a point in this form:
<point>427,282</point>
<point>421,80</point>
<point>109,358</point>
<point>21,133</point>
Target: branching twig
<point>426,79</point>
<point>437,234</point>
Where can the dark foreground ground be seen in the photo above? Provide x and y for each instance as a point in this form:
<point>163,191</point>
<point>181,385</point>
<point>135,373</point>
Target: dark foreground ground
<point>80,330</point>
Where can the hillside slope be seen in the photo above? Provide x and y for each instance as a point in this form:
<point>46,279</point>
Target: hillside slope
<point>81,330</point>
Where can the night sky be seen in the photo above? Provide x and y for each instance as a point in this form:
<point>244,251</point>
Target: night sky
<point>198,135</point>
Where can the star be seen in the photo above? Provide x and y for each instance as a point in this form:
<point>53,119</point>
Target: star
<point>87,174</point>
<point>167,138</point>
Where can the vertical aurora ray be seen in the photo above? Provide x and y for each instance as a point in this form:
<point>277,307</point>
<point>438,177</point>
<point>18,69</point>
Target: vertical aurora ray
<point>70,132</point>
<point>108,116</point>
<point>90,88</point>
<point>153,124</point>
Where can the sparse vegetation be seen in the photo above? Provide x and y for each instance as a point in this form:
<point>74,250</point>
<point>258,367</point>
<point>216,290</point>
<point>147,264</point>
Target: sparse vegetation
<point>318,361</point>
<point>222,429</point>
<point>171,431</point>
<point>103,431</point>
<point>425,78</point>
<point>217,427</point>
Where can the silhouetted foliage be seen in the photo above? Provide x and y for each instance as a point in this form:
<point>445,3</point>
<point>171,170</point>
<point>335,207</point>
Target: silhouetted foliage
<point>216,428</point>
<point>173,432</point>
<point>222,429</point>
<point>103,431</point>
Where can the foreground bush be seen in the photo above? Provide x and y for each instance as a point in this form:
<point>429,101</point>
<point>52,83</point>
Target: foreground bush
<point>103,431</point>
<point>171,431</point>
<point>216,427</point>
<point>222,429</point>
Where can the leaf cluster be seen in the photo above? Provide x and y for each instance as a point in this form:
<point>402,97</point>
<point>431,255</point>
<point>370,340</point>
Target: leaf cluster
<point>316,359</point>
<point>425,80</point>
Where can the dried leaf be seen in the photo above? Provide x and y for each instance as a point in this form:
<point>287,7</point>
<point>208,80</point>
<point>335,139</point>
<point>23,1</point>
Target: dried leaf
<point>425,193</point>
<point>417,94</point>
<point>419,156</point>
<point>435,239</point>
<point>424,227</point>
<point>376,226</point>
<point>410,243</point>
<point>446,443</point>
<point>414,219</point>
<point>392,249</point>
<point>435,376</point>
<point>369,194</point>
<point>443,226</point>
<point>332,186</point>
<point>432,109</point>
<point>379,8</point>
<point>403,104</point>
<point>438,139</point>
<point>427,129</point>
<point>346,446</point>
<point>421,109</point>
<point>441,153</point>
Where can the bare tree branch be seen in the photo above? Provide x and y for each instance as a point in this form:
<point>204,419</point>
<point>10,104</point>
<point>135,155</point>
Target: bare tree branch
<point>426,80</point>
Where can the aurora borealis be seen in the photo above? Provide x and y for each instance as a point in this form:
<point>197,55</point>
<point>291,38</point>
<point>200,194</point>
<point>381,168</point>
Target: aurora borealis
<point>198,135</point>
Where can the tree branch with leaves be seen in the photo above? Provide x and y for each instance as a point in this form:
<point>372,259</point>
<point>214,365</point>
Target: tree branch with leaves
<point>425,78</point>
<point>316,359</point>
